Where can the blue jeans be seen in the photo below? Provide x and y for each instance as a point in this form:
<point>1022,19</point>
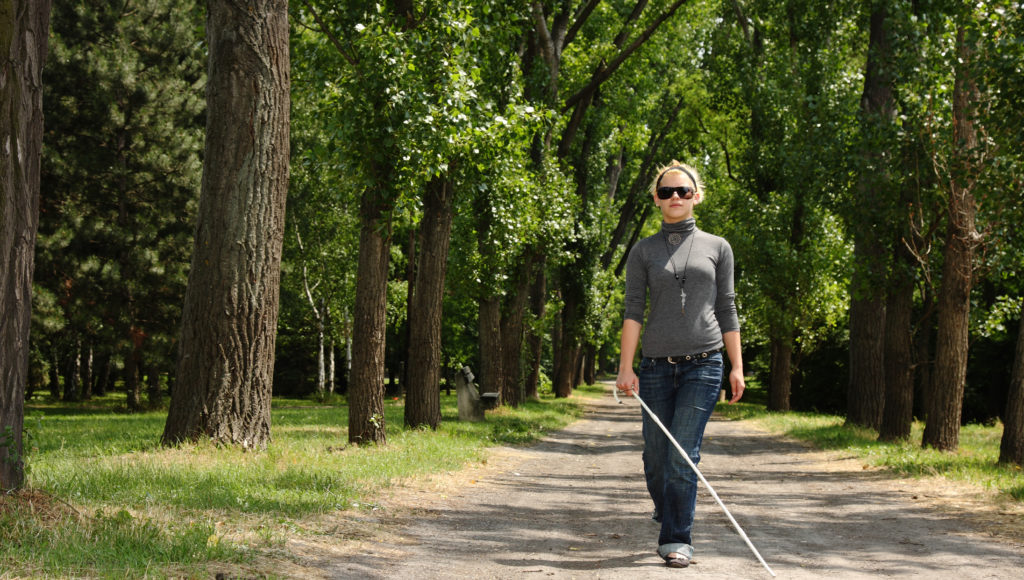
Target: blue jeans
<point>682,395</point>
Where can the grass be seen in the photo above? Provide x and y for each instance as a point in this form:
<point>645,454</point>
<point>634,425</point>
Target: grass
<point>975,461</point>
<point>134,509</point>
<point>106,501</point>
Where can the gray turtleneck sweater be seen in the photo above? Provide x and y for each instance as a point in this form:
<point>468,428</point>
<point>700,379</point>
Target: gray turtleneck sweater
<point>706,261</point>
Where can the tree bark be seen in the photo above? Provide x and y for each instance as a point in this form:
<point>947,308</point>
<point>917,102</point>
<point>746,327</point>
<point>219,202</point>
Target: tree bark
<point>535,337</point>
<point>369,323</point>
<point>24,29</point>
<point>153,392</point>
<point>898,410</point>
<point>229,319</point>
<point>423,387</point>
<point>865,394</point>
<point>866,390</point>
<point>491,359</point>
<point>565,353</point>
<point>1011,448</point>
<point>590,365</point>
<point>513,334</point>
<point>781,373</point>
<point>942,430</point>
<point>133,371</point>
<point>73,373</point>
<point>87,374</point>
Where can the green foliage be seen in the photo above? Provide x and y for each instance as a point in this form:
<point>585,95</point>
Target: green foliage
<point>798,87</point>
<point>123,86</point>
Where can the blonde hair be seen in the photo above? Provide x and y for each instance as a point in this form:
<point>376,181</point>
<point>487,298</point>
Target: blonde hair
<point>677,167</point>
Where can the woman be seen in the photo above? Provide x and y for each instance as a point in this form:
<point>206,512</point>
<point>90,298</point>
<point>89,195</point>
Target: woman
<point>689,277</point>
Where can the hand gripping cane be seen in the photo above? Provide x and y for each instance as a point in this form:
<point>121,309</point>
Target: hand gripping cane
<point>693,466</point>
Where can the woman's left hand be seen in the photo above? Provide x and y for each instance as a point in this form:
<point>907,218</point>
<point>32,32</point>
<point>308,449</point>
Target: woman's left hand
<point>738,385</point>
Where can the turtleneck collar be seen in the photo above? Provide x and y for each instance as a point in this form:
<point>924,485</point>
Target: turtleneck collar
<point>684,227</point>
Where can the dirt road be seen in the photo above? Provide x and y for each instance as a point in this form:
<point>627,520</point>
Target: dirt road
<point>574,506</point>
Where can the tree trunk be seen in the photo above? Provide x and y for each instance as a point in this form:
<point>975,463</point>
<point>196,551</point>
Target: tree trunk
<point>24,29</point>
<point>1011,448</point>
<point>781,374</point>
<point>423,389</point>
<point>898,411</point>
<point>225,365</point>
<point>512,334</point>
<point>565,353</point>
<point>369,324</point>
<point>411,262</point>
<point>73,373</point>
<point>581,357</point>
<point>491,372</point>
<point>865,395</point>
<point>153,392</point>
<point>866,390</point>
<point>512,387</point>
<point>88,370</point>
<point>54,374</point>
<point>321,370</point>
<point>331,369</point>
<point>590,365</point>
<point>103,378</point>
<point>942,430</point>
<point>535,335</point>
<point>133,373</point>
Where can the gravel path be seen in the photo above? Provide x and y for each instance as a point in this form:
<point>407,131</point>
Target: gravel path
<point>575,506</point>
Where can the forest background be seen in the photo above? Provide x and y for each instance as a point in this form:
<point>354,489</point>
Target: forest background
<point>490,160</point>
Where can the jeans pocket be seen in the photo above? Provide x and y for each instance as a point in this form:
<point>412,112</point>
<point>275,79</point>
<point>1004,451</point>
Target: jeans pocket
<point>714,360</point>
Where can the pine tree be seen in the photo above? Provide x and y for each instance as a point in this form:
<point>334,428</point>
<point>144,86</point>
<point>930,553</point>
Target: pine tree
<point>121,173</point>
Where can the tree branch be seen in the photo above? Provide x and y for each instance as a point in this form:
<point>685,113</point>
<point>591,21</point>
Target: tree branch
<point>330,36</point>
<point>578,20</point>
<point>603,73</point>
<point>742,19</point>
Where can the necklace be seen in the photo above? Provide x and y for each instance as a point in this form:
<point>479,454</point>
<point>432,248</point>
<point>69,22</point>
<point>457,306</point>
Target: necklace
<point>675,239</point>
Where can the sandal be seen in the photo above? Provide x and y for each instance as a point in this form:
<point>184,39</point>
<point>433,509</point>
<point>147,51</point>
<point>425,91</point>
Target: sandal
<point>676,560</point>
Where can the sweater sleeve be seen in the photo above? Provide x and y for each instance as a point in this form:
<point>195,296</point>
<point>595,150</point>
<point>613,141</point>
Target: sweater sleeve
<point>725,301</point>
<point>636,285</point>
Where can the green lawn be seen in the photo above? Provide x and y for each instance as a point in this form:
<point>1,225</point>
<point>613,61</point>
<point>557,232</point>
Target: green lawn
<point>104,500</point>
<point>133,508</point>
<point>975,461</point>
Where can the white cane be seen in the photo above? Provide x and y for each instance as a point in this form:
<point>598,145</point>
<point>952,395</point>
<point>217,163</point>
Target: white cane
<point>700,475</point>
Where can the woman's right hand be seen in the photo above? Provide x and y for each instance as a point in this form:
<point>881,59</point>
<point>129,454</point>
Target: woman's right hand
<point>627,382</point>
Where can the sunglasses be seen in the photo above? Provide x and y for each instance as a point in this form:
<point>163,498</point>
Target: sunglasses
<point>683,191</point>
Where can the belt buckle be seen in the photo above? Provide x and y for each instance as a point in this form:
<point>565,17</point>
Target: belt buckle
<point>672,360</point>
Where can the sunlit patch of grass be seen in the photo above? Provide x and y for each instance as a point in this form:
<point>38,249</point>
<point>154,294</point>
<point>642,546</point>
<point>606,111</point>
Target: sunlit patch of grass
<point>105,544</point>
<point>975,460</point>
<point>105,461</point>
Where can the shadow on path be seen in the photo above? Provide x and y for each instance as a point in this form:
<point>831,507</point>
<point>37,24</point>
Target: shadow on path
<point>575,506</point>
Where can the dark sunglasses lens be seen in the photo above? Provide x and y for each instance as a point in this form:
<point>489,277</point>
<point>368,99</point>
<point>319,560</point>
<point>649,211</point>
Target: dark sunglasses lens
<point>684,192</point>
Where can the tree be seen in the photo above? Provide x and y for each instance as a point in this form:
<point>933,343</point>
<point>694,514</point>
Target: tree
<point>1011,447</point>
<point>866,391</point>
<point>942,428</point>
<point>787,64</point>
<point>225,364</point>
<point>423,404</point>
<point>24,29</point>
<point>556,27</point>
<point>122,170</point>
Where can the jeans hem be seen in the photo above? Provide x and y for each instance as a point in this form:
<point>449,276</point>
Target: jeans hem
<point>684,549</point>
